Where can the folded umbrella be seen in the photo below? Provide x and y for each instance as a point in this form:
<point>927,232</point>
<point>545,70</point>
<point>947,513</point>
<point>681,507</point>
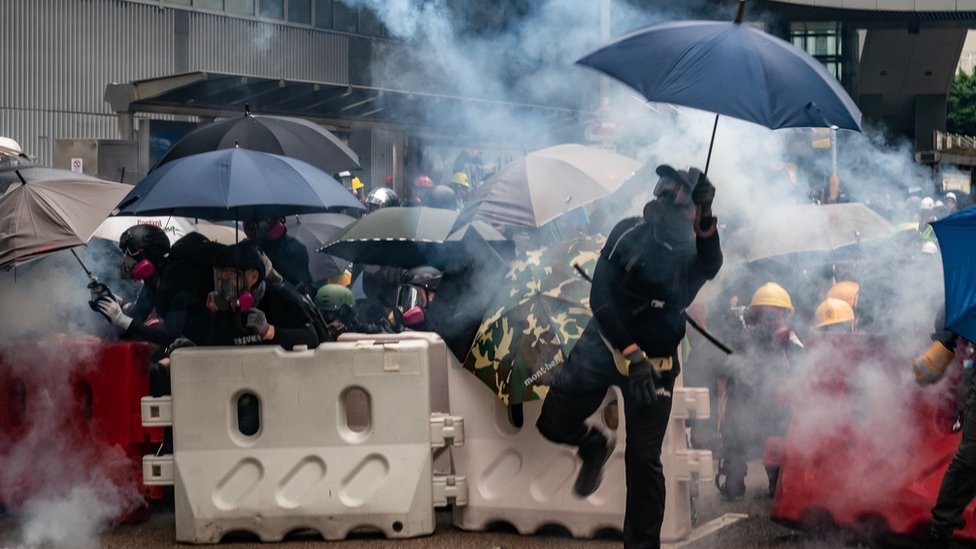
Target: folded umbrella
<point>42,217</point>
<point>236,184</point>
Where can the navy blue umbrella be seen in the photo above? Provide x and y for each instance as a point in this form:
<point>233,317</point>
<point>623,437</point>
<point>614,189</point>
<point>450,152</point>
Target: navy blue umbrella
<point>729,69</point>
<point>236,184</point>
<point>956,236</point>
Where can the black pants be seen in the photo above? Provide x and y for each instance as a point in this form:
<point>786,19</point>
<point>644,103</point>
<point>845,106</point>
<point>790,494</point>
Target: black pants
<point>577,392</point>
<point>959,483</point>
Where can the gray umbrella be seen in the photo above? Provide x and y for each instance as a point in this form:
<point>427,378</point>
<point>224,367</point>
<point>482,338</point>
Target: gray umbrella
<point>42,217</point>
<point>546,184</point>
<point>8,175</point>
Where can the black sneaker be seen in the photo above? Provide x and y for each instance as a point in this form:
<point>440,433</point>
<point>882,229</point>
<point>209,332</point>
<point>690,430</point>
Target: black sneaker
<point>594,452</point>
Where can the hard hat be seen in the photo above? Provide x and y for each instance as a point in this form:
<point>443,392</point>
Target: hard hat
<point>951,196</point>
<point>939,204</point>
<point>930,248</point>
<point>460,178</point>
<point>7,144</point>
<point>424,276</point>
<point>833,311</point>
<point>846,291</point>
<point>772,294</point>
<point>146,239</point>
<point>423,181</point>
<point>927,203</point>
<point>333,296</point>
<point>380,198</point>
<point>357,184</point>
<point>441,196</point>
<point>342,279</point>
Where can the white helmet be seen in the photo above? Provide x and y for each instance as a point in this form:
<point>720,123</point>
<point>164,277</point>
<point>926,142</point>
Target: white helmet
<point>927,203</point>
<point>950,196</point>
<point>10,146</point>
<point>930,248</point>
<point>939,204</point>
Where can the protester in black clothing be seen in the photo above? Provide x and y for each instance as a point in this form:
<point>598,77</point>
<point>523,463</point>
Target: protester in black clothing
<point>288,256</point>
<point>175,281</point>
<point>959,483</point>
<point>649,271</point>
<point>418,288</point>
<point>244,309</point>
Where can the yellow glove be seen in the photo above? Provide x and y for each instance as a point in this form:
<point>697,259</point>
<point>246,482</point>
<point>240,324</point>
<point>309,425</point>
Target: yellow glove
<point>931,366</point>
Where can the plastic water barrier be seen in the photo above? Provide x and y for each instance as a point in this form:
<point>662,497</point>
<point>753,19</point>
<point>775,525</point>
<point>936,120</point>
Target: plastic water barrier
<point>518,477</point>
<point>263,442</point>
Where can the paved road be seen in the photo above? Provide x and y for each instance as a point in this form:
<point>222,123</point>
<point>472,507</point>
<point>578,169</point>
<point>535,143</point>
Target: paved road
<point>746,525</point>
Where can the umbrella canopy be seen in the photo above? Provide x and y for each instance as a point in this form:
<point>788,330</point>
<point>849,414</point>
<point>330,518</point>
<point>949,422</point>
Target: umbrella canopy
<point>730,69</point>
<point>540,313</point>
<point>809,229</point>
<point>315,231</point>
<point>405,237</point>
<point>174,227</point>
<point>546,184</point>
<point>42,217</point>
<point>9,175</point>
<point>293,137</point>
<point>956,234</point>
<point>236,184</point>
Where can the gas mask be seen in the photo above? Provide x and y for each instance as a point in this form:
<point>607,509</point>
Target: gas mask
<point>267,229</point>
<point>136,266</point>
<point>230,292</point>
<point>413,300</point>
<point>768,325</point>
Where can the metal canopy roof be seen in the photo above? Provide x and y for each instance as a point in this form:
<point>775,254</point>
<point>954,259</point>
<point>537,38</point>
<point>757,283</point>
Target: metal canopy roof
<point>218,95</point>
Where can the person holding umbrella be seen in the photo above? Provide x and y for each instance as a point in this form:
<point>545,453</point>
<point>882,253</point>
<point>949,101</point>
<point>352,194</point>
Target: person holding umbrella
<point>649,271</point>
<point>288,256</point>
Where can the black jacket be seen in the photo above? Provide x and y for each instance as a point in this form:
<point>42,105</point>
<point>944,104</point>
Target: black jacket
<point>178,290</point>
<point>641,285</point>
<point>281,305</point>
<point>290,258</point>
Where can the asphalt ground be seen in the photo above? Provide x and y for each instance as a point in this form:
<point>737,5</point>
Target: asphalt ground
<point>720,525</point>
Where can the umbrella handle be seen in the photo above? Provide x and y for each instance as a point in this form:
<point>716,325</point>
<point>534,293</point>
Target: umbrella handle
<point>742,9</point>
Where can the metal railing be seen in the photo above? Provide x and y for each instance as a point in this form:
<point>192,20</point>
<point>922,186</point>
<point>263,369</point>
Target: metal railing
<point>945,141</point>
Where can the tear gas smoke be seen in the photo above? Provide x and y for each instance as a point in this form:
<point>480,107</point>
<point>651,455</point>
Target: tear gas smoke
<point>63,486</point>
<point>754,169</point>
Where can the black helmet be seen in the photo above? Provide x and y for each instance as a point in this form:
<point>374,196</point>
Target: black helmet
<point>675,186</point>
<point>426,277</point>
<point>145,242</point>
<point>380,198</point>
<point>441,196</point>
<point>242,256</point>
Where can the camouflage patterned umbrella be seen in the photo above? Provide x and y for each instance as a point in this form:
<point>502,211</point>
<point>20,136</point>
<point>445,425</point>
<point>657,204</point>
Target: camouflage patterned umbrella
<point>539,315</point>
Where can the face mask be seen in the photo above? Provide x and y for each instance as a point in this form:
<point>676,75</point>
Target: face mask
<point>228,295</point>
<point>671,226</point>
<point>413,316</point>
<point>265,230</point>
<point>133,267</point>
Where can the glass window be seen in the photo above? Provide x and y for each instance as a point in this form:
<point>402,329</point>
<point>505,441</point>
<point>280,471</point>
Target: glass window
<point>179,2</point>
<point>369,24</point>
<point>300,11</point>
<point>823,40</point>
<point>345,18</point>
<point>272,9</point>
<point>239,7</point>
<point>217,5</point>
<point>323,14</point>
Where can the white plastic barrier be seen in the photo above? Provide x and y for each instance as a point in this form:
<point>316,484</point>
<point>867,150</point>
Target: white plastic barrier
<point>440,360</point>
<point>683,467</point>
<point>304,467</point>
<point>516,476</point>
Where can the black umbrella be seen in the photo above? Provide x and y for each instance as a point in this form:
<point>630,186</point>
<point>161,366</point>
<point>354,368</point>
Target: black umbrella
<point>314,231</point>
<point>292,137</point>
<point>405,237</point>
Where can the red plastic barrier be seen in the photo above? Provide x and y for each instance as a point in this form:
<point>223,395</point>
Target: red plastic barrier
<point>70,410</point>
<point>867,448</point>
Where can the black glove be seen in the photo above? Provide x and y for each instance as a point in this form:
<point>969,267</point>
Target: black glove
<point>258,322</point>
<point>179,343</point>
<point>703,194</point>
<point>641,376</point>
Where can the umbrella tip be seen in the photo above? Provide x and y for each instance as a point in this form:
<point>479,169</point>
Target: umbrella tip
<point>741,12</point>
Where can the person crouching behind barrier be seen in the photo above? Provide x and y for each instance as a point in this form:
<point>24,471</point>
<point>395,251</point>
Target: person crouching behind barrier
<point>336,304</point>
<point>648,272</point>
<point>245,309</point>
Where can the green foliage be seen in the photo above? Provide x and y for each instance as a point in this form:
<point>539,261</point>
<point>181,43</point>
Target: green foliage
<point>961,108</point>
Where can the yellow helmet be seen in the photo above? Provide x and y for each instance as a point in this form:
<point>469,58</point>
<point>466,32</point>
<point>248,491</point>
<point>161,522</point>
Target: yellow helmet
<point>343,279</point>
<point>460,178</point>
<point>846,291</point>
<point>357,184</point>
<point>833,311</point>
<point>772,294</point>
